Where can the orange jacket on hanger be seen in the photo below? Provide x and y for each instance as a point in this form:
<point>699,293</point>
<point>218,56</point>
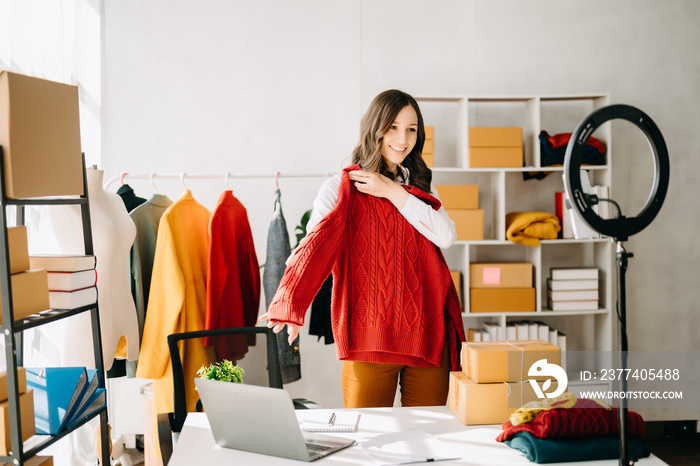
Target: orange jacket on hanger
<point>177,301</point>
<point>233,279</point>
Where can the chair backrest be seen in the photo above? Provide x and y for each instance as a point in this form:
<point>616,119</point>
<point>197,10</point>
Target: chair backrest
<point>177,418</point>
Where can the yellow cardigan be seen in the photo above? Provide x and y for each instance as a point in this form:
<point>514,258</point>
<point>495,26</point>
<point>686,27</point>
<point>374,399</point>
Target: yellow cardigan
<point>177,301</point>
<point>529,227</point>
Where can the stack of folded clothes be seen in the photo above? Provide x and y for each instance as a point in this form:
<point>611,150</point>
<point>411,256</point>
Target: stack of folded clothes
<point>553,149</point>
<point>529,227</point>
<point>568,429</point>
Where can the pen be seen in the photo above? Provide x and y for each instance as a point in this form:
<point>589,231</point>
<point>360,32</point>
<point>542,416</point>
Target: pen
<point>331,421</point>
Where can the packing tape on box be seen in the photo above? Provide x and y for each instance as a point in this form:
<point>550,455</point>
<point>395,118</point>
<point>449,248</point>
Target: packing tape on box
<point>522,391</point>
<point>514,345</point>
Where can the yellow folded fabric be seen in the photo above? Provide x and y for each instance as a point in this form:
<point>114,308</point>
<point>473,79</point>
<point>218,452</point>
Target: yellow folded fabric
<point>529,227</point>
<point>528,411</point>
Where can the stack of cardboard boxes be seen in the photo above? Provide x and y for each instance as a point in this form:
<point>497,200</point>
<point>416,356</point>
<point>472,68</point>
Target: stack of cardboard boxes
<point>462,204</point>
<point>495,147</point>
<point>501,287</point>
<point>26,409</point>
<point>429,147</point>
<point>30,289</point>
<point>495,379</point>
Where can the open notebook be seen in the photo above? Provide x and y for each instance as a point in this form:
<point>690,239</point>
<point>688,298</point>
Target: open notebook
<point>340,421</point>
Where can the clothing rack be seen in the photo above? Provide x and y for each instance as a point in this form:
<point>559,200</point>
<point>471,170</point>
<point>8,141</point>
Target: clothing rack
<point>224,176</point>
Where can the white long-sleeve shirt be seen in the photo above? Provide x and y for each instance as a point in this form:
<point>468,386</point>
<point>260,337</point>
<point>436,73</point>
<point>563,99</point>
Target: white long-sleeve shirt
<point>435,225</point>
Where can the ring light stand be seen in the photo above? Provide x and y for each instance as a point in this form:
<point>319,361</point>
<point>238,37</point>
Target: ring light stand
<point>620,228</point>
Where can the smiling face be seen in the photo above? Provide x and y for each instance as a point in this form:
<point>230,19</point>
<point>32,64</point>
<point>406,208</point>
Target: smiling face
<point>401,137</point>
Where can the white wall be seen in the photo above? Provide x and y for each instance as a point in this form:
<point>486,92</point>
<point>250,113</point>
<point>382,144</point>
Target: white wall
<point>219,86</point>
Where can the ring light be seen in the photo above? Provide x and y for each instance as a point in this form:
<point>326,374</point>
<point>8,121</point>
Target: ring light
<point>620,228</point>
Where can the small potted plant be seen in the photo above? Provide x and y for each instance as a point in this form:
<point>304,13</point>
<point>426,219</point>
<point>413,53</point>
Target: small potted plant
<point>225,371</point>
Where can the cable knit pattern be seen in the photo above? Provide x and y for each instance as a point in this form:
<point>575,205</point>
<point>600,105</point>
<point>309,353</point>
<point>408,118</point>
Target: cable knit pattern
<point>393,298</point>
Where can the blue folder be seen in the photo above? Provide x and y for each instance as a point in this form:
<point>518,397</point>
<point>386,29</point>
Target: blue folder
<point>56,391</point>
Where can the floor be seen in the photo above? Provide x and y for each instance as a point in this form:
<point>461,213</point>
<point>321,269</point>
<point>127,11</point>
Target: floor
<point>675,442</point>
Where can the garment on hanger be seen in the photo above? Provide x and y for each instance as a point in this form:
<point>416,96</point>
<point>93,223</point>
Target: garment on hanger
<point>320,318</point>
<point>131,200</point>
<point>113,233</point>
<point>233,277</point>
<point>146,217</point>
<point>176,301</point>
<point>278,250</point>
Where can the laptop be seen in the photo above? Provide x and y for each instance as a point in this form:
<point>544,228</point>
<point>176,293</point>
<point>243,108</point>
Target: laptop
<point>261,420</point>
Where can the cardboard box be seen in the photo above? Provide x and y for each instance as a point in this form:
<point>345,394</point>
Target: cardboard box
<point>502,299</point>
<point>469,223</point>
<point>501,361</point>
<point>429,160</point>
<point>453,390</point>
<point>21,382</point>
<point>18,248</point>
<point>500,275</point>
<point>429,132</point>
<point>30,293</point>
<point>457,280</point>
<point>495,136</point>
<point>458,196</point>
<point>428,146</point>
<point>491,403</point>
<point>499,157</point>
<point>40,137</point>
<point>26,410</point>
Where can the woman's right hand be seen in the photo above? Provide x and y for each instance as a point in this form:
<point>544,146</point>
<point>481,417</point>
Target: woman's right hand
<point>277,326</point>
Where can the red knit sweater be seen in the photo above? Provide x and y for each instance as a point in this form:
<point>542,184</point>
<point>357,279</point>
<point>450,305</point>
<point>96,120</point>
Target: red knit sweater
<point>393,299</point>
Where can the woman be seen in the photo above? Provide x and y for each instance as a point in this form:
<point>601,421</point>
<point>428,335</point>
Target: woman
<point>395,312</point>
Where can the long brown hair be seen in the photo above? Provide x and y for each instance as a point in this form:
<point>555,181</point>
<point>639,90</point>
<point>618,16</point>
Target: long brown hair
<point>376,122</point>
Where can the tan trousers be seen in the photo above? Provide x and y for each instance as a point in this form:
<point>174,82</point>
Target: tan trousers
<point>371,385</point>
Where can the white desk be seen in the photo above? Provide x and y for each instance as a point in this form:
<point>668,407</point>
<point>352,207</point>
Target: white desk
<point>477,445</point>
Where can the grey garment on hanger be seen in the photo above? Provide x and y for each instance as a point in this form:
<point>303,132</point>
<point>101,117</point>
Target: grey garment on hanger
<point>146,217</point>
<point>278,250</point>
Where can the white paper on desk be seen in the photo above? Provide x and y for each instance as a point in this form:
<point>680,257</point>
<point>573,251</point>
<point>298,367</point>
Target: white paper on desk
<point>413,446</point>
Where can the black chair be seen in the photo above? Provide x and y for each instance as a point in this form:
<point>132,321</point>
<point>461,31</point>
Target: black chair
<point>169,423</point>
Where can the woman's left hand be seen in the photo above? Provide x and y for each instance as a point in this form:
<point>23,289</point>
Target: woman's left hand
<point>378,185</point>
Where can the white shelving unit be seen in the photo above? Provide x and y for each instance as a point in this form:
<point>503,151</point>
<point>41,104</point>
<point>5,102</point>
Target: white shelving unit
<point>503,190</point>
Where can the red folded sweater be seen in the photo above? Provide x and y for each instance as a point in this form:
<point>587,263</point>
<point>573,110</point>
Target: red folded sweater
<point>585,419</point>
<point>393,298</point>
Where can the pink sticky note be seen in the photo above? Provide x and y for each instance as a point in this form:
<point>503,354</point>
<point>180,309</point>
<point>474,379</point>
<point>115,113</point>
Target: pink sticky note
<point>491,276</point>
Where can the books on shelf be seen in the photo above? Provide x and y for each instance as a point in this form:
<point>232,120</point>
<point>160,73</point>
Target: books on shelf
<point>62,262</point>
<point>71,281</point>
<point>573,295</point>
<point>573,273</point>
<point>570,285</point>
<point>72,299</point>
<point>573,305</point>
